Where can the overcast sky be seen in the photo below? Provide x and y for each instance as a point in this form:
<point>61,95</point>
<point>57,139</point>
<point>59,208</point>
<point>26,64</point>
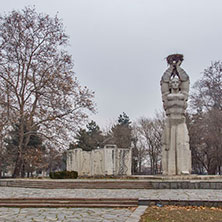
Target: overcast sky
<point>119,46</point>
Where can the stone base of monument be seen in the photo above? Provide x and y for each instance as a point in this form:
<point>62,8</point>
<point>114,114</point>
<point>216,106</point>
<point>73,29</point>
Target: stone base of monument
<point>184,181</point>
<point>136,182</point>
<point>178,177</point>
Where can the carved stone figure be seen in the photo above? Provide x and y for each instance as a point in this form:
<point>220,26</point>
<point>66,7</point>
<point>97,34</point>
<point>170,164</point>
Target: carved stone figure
<point>176,154</point>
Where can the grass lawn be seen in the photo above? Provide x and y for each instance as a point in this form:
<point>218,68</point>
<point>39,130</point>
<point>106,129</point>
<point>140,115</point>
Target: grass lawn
<point>182,214</point>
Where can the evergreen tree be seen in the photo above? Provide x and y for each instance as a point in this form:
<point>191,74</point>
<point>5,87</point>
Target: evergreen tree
<point>123,119</point>
<point>122,131</point>
<point>89,138</point>
<point>13,139</point>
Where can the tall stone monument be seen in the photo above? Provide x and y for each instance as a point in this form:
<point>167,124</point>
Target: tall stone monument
<point>176,154</point>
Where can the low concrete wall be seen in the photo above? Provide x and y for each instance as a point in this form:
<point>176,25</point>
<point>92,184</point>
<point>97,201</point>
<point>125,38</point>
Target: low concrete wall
<point>109,160</point>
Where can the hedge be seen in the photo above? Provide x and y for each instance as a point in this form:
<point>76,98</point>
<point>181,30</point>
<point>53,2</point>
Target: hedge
<point>63,175</point>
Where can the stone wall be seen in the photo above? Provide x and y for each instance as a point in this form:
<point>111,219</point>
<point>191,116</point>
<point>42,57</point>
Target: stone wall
<point>109,160</point>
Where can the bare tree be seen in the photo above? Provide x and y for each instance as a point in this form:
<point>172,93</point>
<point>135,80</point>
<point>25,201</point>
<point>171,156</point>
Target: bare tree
<point>206,121</point>
<point>37,82</point>
<point>139,152</point>
<point>208,90</point>
<point>206,141</point>
<point>3,130</point>
<point>149,134</point>
<point>2,153</point>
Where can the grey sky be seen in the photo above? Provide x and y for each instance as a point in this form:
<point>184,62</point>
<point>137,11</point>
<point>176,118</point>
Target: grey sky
<point>119,46</point>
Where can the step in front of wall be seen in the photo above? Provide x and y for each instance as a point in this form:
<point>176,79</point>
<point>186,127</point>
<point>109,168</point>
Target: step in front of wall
<point>106,184</point>
<point>68,205</point>
<point>101,202</point>
<point>68,202</point>
<point>78,184</point>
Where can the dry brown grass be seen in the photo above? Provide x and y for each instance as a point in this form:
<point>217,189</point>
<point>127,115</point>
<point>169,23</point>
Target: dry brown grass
<point>182,214</point>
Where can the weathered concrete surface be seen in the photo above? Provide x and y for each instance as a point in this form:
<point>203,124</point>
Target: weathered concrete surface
<point>164,194</point>
<point>77,184</point>
<point>64,214</point>
<point>110,160</point>
<point>176,154</point>
<point>139,182</point>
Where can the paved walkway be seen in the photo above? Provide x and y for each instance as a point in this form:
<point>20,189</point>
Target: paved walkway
<point>90,214</point>
<point>64,214</point>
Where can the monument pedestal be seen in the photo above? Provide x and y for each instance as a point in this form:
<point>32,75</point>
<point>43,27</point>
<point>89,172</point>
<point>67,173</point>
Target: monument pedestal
<point>176,154</point>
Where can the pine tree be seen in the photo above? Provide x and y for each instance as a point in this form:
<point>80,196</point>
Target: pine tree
<point>89,138</point>
<point>122,131</point>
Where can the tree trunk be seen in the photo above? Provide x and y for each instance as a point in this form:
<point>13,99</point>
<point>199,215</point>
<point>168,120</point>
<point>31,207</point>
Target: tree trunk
<point>140,169</point>
<point>19,160</point>
<point>212,170</point>
<point>23,170</point>
<point>18,164</point>
<point>152,166</point>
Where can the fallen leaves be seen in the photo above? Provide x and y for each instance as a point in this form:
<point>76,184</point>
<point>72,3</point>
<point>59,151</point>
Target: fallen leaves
<point>182,213</point>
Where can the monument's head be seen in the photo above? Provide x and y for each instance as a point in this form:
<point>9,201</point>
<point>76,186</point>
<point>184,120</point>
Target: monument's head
<point>175,83</point>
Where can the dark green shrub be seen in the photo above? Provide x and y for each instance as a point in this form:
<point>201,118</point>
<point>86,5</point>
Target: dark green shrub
<point>63,175</point>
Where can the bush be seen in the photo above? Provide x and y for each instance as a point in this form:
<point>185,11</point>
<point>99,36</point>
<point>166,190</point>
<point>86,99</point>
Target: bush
<point>63,175</point>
